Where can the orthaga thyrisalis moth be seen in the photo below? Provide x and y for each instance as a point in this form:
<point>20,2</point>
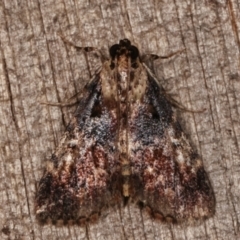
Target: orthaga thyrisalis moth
<point>124,142</point>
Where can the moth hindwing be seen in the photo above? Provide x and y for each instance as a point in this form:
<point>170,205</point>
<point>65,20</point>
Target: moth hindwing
<point>124,142</point>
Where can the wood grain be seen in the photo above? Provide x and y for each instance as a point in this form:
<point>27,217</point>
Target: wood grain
<point>35,66</point>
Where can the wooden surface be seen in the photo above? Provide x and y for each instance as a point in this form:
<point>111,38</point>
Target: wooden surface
<point>35,65</point>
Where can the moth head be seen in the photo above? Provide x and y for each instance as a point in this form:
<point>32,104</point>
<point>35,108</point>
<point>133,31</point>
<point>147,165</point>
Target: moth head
<point>124,48</point>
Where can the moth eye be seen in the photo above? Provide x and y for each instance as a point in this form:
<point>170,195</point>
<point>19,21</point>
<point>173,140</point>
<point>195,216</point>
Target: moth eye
<point>113,50</point>
<point>134,52</point>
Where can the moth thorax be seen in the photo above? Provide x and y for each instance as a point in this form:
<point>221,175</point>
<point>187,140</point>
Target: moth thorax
<point>123,63</point>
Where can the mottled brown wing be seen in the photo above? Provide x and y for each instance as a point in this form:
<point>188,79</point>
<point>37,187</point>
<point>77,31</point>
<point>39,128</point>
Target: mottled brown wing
<point>167,175</point>
<point>81,176</point>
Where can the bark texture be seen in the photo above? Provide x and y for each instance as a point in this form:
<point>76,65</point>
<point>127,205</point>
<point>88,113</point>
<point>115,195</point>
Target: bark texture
<point>36,65</point>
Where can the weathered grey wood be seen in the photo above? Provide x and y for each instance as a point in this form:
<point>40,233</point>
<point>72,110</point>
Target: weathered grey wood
<point>35,65</point>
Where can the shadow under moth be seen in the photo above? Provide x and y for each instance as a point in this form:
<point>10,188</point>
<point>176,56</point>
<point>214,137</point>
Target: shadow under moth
<point>124,142</point>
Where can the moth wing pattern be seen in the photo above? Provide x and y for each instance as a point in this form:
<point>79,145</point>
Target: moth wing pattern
<point>124,142</point>
<point>79,178</point>
<point>170,175</point>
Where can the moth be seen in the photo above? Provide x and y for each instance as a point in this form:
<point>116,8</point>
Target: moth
<point>123,143</point>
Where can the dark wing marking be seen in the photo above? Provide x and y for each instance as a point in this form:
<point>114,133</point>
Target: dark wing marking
<point>168,175</point>
<point>81,176</point>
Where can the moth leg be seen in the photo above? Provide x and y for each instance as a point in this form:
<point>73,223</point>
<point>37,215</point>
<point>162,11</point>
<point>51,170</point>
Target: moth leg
<point>149,58</point>
<point>177,104</point>
<point>85,50</point>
